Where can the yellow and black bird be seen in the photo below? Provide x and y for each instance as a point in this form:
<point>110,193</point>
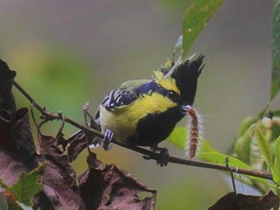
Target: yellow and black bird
<point>144,112</point>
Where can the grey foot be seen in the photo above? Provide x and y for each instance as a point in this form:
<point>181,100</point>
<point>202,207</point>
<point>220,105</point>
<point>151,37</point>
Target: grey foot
<point>108,137</point>
<point>164,157</point>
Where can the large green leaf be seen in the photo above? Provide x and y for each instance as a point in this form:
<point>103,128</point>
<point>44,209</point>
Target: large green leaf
<point>276,165</point>
<point>219,158</point>
<point>195,20</point>
<point>246,124</point>
<point>242,146</point>
<point>205,146</point>
<point>264,147</point>
<point>275,45</point>
<point>179,137</point>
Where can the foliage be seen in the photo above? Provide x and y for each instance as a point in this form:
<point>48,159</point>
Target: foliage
<point>257,143</point>
<point>195,20</point>
<point>27,186</point>
<point>276,165</point>
<point>275,45</point>
<point>20,195</point>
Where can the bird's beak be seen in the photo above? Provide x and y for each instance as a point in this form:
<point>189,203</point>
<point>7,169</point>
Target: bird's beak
<point>185,108</point>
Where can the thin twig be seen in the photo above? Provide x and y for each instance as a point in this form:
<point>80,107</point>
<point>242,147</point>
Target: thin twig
<point>231,174</point>
<point>190,162</point>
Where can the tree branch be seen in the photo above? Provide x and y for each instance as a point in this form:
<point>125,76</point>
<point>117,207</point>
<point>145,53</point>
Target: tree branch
<point>152,155</point>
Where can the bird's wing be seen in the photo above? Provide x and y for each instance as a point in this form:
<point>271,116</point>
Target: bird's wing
<point>122,96</point>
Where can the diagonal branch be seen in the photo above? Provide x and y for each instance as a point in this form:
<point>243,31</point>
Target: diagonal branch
<point>152,155</point>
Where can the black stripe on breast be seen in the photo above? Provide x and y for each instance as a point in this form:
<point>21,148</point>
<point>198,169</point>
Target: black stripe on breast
<point>155,128</point>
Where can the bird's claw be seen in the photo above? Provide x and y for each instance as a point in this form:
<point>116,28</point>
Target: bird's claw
<point>164,157</point>
<point>108,137</point>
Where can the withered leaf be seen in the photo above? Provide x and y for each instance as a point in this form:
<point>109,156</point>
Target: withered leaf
<point>76,147</point>
<point>22,136</point>
<point>42,202</point>
<point>59,179</point>
<point>233,201</point>
<point>78,142</point>
<point>18,121</point>
<point>110,188</point>
<point>51,152</point>
<point>7,101</point>
<point>58,191</point>
<point>17,150</point>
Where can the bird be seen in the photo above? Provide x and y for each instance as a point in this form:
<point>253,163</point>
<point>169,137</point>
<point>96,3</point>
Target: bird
<point>144,112</point>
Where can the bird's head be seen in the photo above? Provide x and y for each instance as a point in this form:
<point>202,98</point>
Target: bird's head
<point>180,82</point>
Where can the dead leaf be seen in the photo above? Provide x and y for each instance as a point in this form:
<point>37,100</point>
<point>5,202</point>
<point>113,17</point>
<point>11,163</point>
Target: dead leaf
<point>22,135</point>
<point>59,191</point>
<point>76,147</point>
<point>233,201</point>
<point>51,152</point>
<point>110,188</point>
<point>42,202</point>
<point>59,179</point>
<point>17,154</point>
<point>7,101</point>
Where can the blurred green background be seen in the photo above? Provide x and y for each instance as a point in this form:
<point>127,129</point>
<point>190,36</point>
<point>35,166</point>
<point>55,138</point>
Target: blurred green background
<point>69,52</point>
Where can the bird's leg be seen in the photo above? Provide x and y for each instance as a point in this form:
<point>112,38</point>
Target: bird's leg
<point>164,155</point>
<point>108,137</point>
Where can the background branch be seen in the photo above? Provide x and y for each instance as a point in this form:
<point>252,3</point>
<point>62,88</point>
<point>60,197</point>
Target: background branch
<point>48,115</point>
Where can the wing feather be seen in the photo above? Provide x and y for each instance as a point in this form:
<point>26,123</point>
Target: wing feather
<point>124,95</point>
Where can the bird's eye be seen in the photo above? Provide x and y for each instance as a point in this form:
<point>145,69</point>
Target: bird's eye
<point>171,94</point>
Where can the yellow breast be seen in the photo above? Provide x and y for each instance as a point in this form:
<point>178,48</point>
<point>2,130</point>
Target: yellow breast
<point>123,120</point>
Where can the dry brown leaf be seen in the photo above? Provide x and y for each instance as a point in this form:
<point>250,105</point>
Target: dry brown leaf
<point>232,201</point>
<point>17,150</point>
<point>76,147</point>
<point>59,178</point>
<point>110,188</point>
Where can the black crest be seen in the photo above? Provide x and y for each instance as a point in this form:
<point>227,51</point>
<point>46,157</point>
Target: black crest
<point>186,76</point>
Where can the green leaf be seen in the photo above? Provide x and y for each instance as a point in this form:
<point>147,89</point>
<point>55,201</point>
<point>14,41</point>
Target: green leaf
<point>242,146</point>
<point>276,165</point>
<point>275,45</point>
<point>246,124</point>
<point>264,147</point>
<point>263,111</point>
<point>3,185</point>
<point>178,137</point>
<point>195,20</point>
<point>205,146</point>
<point>27,186</point>
<point>178,47</point>
<point>24,207</point>
<point>219,158</point>
<point>276,113</point>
